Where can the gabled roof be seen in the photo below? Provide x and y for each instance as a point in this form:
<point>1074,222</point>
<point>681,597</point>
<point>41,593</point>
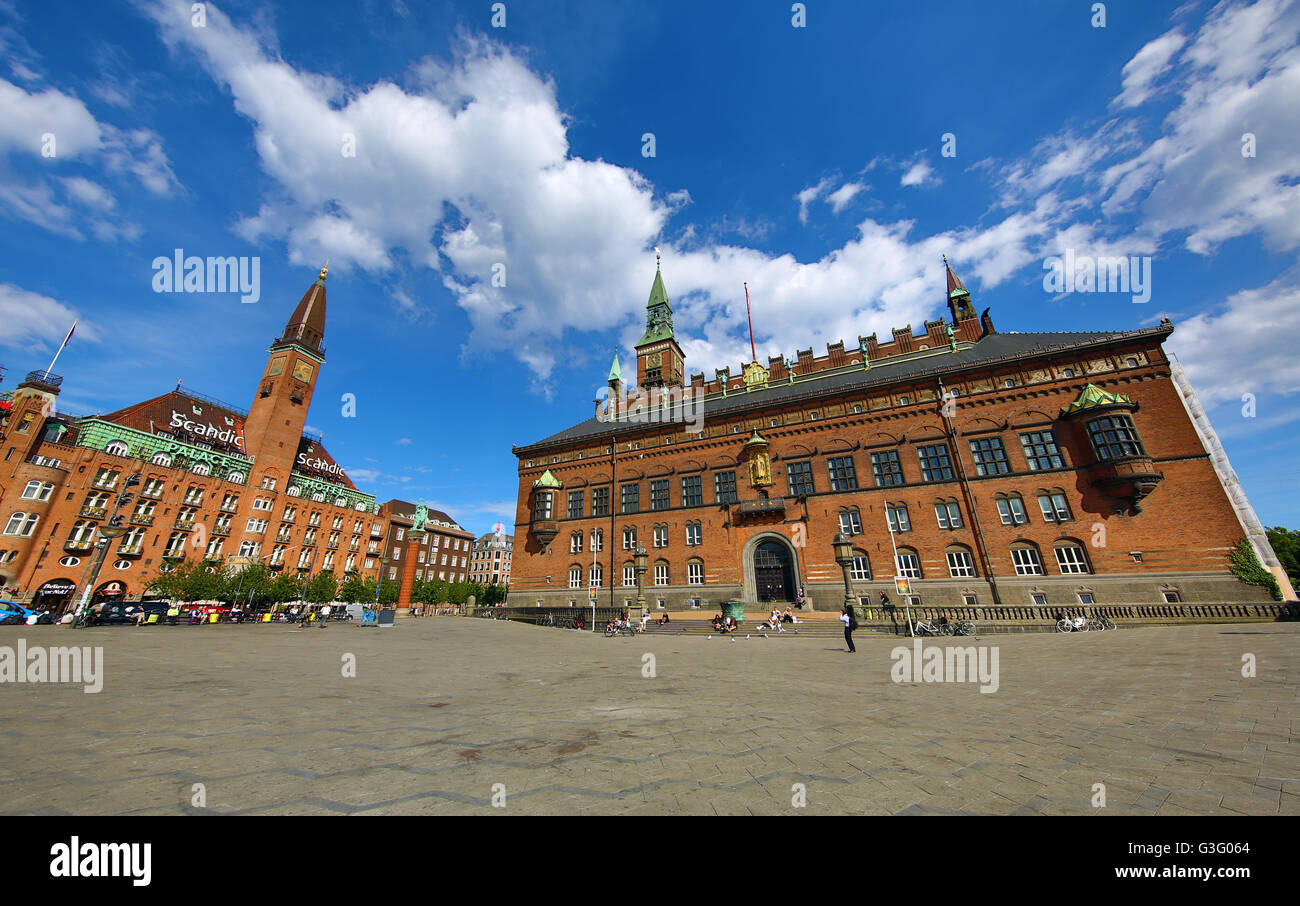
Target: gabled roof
<point>990,351</point>
<point>1093,397</point>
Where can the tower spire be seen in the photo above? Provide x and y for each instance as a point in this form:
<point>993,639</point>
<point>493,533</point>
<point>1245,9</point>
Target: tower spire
<point>306,326</point>
<point>959,303</point>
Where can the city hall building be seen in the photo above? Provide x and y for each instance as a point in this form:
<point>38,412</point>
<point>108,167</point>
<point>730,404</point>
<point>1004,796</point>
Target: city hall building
<point>215,482</point>
<point>989,468</point>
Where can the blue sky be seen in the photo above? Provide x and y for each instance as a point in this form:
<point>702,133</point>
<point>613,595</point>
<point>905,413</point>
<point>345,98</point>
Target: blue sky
<point>808,161</point>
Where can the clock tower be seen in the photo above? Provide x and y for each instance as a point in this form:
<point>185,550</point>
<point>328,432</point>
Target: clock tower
<point>659,360</point>
<point>276,419</point>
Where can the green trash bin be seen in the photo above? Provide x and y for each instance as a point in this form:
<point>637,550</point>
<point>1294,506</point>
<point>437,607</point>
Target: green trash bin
<point>734,609</point>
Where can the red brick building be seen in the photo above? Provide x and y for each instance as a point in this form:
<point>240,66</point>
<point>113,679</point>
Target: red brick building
<point>1013,468</point>
<point>443,552</point>
<point>216,481</point>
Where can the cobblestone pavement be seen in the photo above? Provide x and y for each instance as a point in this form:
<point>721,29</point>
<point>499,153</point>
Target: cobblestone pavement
<point>443,709</point>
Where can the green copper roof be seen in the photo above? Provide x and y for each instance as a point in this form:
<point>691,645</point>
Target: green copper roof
<point>659,314</point>
<point>1093,397</point>
<point>615,372</point>
<point>547,481</point>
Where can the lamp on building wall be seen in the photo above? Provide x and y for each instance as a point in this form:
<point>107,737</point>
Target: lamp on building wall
<point>844,557</point>
<point>639,563</point>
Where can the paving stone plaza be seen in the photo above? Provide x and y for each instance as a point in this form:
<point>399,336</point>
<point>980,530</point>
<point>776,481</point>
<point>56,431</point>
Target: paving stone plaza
<point>443,713</point>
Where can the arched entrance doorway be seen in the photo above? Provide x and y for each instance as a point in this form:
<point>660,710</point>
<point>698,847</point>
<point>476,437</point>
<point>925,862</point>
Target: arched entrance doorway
<point>773,572</point>
<point>54,596</point>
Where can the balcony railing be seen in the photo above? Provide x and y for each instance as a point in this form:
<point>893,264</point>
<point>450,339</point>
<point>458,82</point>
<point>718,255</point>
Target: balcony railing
<point>106,484</point>
<point>72,544</point>
<point>141,519</point>
<point>221,530</point>
<point>152,492</point>
<point>134,550</point>
<point>185,525</point>
<point>93,512</point>
<point>48,378</point>
<point>230,507</point>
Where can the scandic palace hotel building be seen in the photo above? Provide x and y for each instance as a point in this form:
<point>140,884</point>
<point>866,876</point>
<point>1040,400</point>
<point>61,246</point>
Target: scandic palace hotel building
<point>1058,469</point>
<point>216,483</point>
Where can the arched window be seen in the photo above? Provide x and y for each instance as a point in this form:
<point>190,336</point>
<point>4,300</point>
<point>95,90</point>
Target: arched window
<point>236,477</point>
<point>961,565</point>
<point>948,512</point>
<point>340,501</point>
<point>1055,506</point>
<point>860,571</point>
<point>1011,509</point>
<point>22,524</point>
<point>37,490</point>
<point>851,521</point>
<point>597,575</point>
<point>661,572</point>
<point>695,572</point>
<point>202,468</point>
<point>116,448</point>
<point>83,532</point>
<point>629,574</point>
<point>909,564</point>
<point>1024,556</point>
<point>1071,557</point>
<point>575,543</point>
<point>294,491</point>
<point>575,577</point>
<point>162,459</point>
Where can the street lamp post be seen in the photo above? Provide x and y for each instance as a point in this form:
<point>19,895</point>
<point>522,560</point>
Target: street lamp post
<point>639,560</point>
<point>844,557</point>
<point>383,564</point>
<point>108,531</point>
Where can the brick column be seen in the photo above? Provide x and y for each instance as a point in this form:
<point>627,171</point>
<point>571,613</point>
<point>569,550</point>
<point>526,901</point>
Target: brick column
<point>408,570</point>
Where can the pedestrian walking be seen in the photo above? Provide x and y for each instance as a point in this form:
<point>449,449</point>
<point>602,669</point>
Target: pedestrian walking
<point>850,621</point>
<point>324,616</point>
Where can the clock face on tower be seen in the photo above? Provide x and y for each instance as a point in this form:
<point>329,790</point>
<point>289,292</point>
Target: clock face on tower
<point>654,359</point>
<point>302,372</point>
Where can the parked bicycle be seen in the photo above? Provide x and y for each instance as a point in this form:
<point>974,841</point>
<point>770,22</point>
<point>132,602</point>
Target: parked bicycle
<point>1083,624</point>
<point>618,627</point>
<point>963,627</point>
<point>546,619</point>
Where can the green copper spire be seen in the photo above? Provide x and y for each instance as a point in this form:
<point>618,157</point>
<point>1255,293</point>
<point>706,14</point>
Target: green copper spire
<point>659,315</point>
<point>615,372</point>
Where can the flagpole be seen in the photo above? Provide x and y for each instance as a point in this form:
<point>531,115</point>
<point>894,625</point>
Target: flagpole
<point>750,318</point>
<point>907,599</point>
<point>62,345</point>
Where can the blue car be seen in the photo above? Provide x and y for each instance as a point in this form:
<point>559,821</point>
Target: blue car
<point>14,614</point>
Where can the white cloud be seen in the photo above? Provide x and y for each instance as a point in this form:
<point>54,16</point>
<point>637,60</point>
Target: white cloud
<point>33,320</point>
<point>843,195</point>
<point>917,174</point>
<point>1147,65</point>
<point>808,195</point>
<point>1234,349</point>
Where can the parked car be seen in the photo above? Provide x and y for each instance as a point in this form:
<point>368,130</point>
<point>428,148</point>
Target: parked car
<point>14,614</point>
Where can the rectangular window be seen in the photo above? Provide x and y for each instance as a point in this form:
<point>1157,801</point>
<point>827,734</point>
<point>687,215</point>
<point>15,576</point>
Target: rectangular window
<point>860,571</point>
<point>1173,597</point>
<point>1114,437</point>
<point>1041,451</point>
<point>1055,507</point>
<point>693,534</point>
<point>898,518</point>
<point>692,491</point>
<point>659,494</point>
<point>909,565</point>
<point>886,468</point>
<point>801,478</point>
<point>949,514</point>
<point>843,475</point>
<point>851,522</point>
<point>600,501</point>
<point>661,574</point>
<point>1071,560</point>
<point>1026,561</point>
<point>695,573</point>
<point>990,456</point>
<point>660,536</point>
<point>960,565</point>
<point>577,499</point>
<point>935,464</point>
<point>1012,511</point>
<point>629,577</point>
<point>597,543</point>
<point>1039,600</point>
<point>631,498</point>
<point>541,509</point>
<point>1086,598</point>
<point>575,543</point>
<point>724,487</point>
<point>629,538</point>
